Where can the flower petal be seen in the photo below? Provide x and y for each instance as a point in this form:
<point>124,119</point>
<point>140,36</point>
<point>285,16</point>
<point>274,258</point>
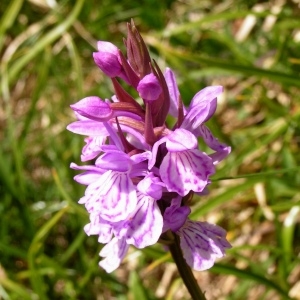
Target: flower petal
<point>93,108</point>
<point>114,160</point>
<point>202,107</point>
<point>186,171</point>
<point>113,254</point>
<point>88,127</point>
<point>208,95</point>
<point>144,226</point>
<point>113,196</point>
<point>222,150</point>
<point>173,91</point>
<point>195,116</point>
<point>151,186</point>
<point>92,147</point>
<point>87,177</point>
<point>202,243</point>
<point>99,227</point>
<point>175,215</point>
<point>92,173</point>
<point>181,139</point>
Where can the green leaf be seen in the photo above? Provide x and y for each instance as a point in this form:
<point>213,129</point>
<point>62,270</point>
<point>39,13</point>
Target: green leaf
<point>248,275</point>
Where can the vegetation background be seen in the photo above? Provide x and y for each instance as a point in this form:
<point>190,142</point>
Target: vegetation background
<point>252,48</point>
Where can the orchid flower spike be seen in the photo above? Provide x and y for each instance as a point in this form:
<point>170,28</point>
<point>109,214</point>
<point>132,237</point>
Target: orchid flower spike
<point>141,170</point>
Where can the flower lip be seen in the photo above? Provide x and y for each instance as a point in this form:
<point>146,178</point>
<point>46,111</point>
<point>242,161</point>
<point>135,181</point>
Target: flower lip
<point>202,243</point>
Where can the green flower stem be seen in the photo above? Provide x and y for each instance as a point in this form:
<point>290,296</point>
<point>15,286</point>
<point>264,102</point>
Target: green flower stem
<point>185,271</point>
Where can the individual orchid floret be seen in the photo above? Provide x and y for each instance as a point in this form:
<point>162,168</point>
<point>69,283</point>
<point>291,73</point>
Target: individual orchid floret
<point>149,88</point>
<point>201,243</point>
<point>113,195</point>
<point>184,168</point>
<point>201,109</point>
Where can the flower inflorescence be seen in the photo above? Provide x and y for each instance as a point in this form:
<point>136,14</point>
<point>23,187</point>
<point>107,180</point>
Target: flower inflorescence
<point>144,173</point>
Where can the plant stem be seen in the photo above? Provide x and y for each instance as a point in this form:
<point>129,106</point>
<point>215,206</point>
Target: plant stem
<point>185,271</point>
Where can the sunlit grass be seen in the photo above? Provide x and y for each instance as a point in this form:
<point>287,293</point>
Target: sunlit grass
<point>46,64</point>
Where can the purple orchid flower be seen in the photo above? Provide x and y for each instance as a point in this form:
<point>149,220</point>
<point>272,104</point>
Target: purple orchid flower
<point>143,170</point>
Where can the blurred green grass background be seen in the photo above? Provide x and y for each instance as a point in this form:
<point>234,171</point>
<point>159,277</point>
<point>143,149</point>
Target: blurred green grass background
<point>252,48</point>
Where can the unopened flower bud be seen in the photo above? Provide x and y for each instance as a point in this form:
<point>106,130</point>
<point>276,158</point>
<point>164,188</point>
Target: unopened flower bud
<point>107,59</point>
<point>149,87</point>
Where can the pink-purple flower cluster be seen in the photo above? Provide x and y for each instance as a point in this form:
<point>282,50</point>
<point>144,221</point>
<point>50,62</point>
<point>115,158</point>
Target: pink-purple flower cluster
<point>144,173</point>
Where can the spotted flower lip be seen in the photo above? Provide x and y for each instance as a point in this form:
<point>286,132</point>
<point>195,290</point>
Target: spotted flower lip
<point>140,171</point>
<point>202,243</point>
